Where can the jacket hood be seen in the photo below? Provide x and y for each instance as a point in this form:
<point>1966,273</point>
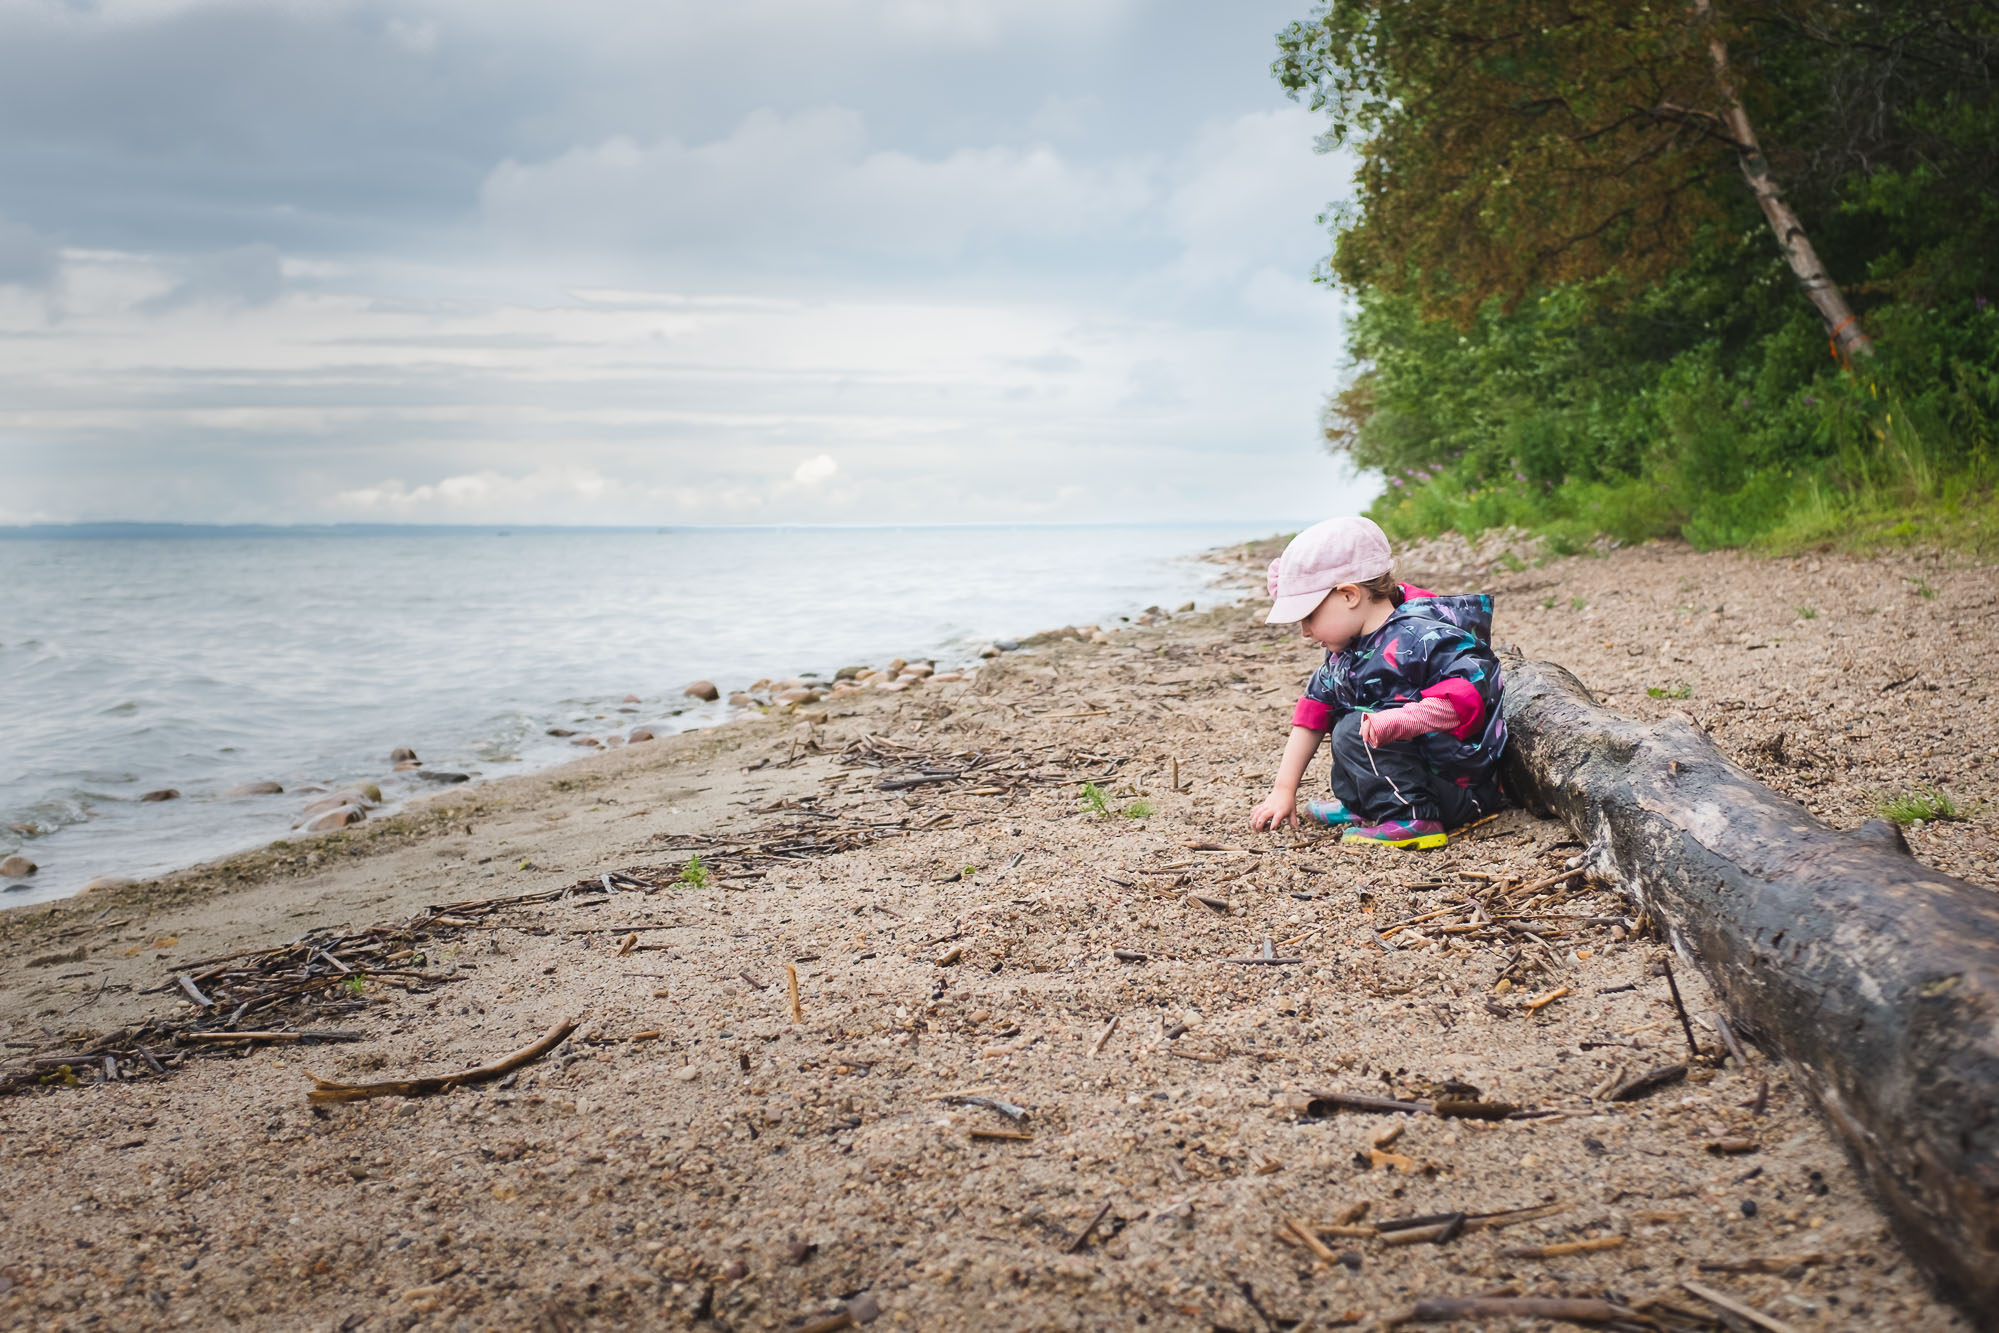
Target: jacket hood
<point>1469,611</point>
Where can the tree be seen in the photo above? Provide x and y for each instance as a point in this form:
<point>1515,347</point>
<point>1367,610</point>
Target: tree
<point>1508,146</point>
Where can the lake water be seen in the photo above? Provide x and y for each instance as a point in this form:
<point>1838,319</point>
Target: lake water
<point>203,662</point>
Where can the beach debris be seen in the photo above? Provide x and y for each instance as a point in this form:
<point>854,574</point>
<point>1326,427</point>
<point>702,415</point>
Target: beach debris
<point>1723,1301</point>
<point>1083,1236</point>
<point>327,1090</point>
<point>1556,1251</point>
<point>791,988</point>
<point>1649,1081</point>
<point>1579,1310</point>
<point>1103,1038</point>
<point>704,690</point>
<point>1005,1108</point>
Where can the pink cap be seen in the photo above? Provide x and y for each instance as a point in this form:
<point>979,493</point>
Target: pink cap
<point>1321,558</point>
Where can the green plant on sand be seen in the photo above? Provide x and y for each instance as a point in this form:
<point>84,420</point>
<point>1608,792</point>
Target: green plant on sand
<point>1669,692</point>
<point>695,875</point>
<point>1096,801</point>
<point>1926,804</point>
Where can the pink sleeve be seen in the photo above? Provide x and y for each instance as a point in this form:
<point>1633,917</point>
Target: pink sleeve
<point>1464,700</point>
<point>1311,714</point>
<point>1410,590</point>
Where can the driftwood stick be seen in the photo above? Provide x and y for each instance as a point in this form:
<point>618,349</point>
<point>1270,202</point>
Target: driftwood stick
<point>1721,1300</point>
<point>1874,977</point>
<point>326,1090</point>
<point>1446,1309</point>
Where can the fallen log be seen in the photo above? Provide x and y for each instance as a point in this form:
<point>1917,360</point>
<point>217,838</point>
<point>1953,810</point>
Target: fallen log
<point>1873,976</point>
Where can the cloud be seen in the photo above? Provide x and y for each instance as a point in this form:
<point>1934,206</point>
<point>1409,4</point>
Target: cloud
<point>247,276</point>
<point>27,259</point>
<point>784,187</point>
<point>478,495</point>
<point>819,468</point>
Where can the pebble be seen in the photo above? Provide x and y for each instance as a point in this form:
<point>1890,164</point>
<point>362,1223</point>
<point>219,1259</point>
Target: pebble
<point>18,867</point>
<point>1186,606</point>
<point>109,882</point>
<point>848,672</point>
<point>895,667</point>
<point>816,716</point>
<point>798,697</point>
<point>402,754</point>
<point>642,734</point>
<point>163,794</point>
<point>629,699</point>
<point>340,817</point>
<point>703,690</point>
<point>591,741</point>
<point>991,650</point>
<point>559,731</point>
<point>256,789</point>
<point>436,775</point>
<point>1007,645</point>
<point>947,677</point>
<point>741,699</point>
<point>919,669</point>
<point>899,683</point>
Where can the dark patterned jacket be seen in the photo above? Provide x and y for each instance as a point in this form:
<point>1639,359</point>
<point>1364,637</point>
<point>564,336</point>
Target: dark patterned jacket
<point>1431,647</point>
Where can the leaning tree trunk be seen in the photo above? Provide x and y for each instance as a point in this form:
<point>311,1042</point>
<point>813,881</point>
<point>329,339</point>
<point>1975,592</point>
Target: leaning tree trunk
<point>1873,976</point>
<point>1824,294</point>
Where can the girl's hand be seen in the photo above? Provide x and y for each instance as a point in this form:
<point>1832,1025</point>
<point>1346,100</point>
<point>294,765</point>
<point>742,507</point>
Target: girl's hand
<point>1280,807</point>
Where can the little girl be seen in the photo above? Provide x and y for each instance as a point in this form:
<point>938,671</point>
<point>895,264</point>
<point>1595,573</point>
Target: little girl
<point>1410,691</point>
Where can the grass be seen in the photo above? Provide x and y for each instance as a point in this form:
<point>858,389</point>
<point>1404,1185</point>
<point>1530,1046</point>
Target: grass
<point>1669,691</point>
<point>1923,589</point>
<point>357,984</point>
<point>1924,804</point>
<point>1808,613</point>
<point>1096,801</point>
<point>695,875</point>
<point>1577,604</point>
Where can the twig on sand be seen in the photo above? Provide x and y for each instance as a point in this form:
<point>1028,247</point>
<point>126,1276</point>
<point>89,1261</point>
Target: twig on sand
<point>791,986</point>
<point>1084,1235</point>
<point>1443,1310</point>
<point>1723,1301</point>
<point>1680,1007</point>
<point>325,1090</point>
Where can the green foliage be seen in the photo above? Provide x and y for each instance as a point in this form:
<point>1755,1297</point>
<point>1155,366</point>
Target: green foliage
<point>356,985</point>
<point>1924,803</point>
<point>1669,691</point>
<point>1808,613</point>
<point>1664,380</point>
<point>694,874</point>
<point>1096,801</point>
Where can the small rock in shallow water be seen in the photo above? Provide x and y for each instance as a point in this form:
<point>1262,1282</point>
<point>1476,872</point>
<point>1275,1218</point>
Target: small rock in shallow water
<point>18,867</point>
<point>109,882</point>
<point>639,734</point>
<point>435,775</point>
<point>401,753</point>
<point>256,789</point>
<point>163,794</point>
<point>629,699</point>
<point>848,672</point>
<point>1186,606</point>
<point>703,690</point>
<point>339,817</point>
<point>560,731</point>
<point>798,697</point>
<point>1007,645</point>
<point>591,741</point>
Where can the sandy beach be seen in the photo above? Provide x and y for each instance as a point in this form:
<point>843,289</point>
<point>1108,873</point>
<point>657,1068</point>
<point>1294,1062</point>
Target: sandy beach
<point>1044,1064</point>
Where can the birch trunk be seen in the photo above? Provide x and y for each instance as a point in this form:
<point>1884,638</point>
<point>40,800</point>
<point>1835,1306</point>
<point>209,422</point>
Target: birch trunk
<point>1820,289</point>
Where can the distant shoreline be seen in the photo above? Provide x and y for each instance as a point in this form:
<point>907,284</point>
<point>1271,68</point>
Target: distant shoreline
<point>122,530</point>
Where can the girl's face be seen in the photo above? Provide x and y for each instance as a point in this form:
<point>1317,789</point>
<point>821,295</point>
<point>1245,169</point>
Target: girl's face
<point>1339,620</point>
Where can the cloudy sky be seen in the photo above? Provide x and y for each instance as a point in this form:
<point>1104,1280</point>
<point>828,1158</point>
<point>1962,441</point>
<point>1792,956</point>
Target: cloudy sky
<point>651,261</point>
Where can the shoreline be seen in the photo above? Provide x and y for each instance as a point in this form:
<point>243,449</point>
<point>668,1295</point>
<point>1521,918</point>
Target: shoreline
<point>702,1152</point>
<point>546,754</point>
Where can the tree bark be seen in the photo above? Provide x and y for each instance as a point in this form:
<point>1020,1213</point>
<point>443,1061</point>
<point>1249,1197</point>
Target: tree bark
<point>1874,977</point>
<point>1824,294</point>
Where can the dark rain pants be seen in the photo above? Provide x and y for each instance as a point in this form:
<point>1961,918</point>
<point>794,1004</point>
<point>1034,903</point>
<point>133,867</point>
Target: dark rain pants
<point>1394,782</point>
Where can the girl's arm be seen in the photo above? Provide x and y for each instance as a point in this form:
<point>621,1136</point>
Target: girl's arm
<point>1281,806</point>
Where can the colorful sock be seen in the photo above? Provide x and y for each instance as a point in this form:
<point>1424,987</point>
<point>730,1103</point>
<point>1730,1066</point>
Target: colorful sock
<point>1330,813</point>
<point>1413,833</point>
